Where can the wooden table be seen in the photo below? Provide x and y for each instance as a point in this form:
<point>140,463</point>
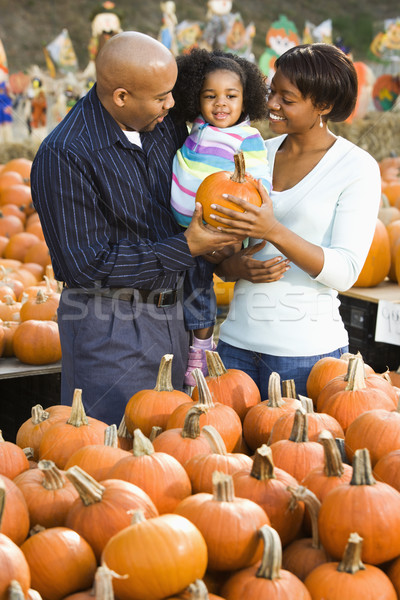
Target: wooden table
<point>387,290</point>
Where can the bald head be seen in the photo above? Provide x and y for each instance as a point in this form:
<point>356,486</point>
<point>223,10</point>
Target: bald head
<point>135,78</point>
<point>128,58</point>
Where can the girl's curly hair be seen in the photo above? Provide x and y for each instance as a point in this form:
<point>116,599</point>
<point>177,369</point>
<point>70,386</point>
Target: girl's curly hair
<point>194,66</point>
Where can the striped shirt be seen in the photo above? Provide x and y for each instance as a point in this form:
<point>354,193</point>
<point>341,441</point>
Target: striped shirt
<point>104,203</point>
<point>209,149</point>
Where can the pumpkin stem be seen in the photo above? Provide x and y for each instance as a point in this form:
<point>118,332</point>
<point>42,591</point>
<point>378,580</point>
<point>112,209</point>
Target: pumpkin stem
<point>1,436</point>
<point>333,465</point>
<point>191,426</point>
<point>164,380</point>
<point>137,516</point>
<point>29,453</point>
<point>90,490</point>
<point>53,479</point>
<point>302,494</point>
<point>289,389</point>
<point>362,471</point>
<point>351,561</point>
<point>103,588</point>
<point>111,436</point>
<point>78,416</point>
<point>307,404</point>
<point>215,440</point>
<point>155,431</point>
<point>274,391</point>
<point>197,590</point>
<point>223,490</point>
<point>271,561</point>
<point>215,366</point>
<point>299,431</point>
<point>263,464</point>
<point>356,374</point>
<point>14,591</point>
<point>205,398</point>
<point>38,414</point>
<point>239,174</point>
<point>41,297</point>
<point>142,446</point>
<point>123,431</point>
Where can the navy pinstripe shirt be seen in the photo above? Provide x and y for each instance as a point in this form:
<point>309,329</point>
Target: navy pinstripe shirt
<point>103,202</point>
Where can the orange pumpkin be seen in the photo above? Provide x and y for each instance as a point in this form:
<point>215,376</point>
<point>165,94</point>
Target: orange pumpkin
<point>159,474</point>
<point>180,557</point>
<point>60,561</point>
<point>12,560</point>
<point>377,263</point>
<point>224,418</point>
<point>19,245</point>
<point>19,165</point>
<point>261,417</point>
<point>224,182</point>
<point>266,579</point>
<point>297,455</point>
<point>229,386</point>
<point>97,459</point>
<point>369,507</point>
<point>48,494</point>
<point>387,469</point>
<point>228,523</point>
<point>103,509</point>
<point>12,459</point>
<point>42,307</point>
<point>267,485</point>
<point>18,194</point>
<point>350,579</point>
<point>37,342</point>
<point>148,408</point>
<point>65,437</point>
<point>15,515</point>
<point>304,554</point>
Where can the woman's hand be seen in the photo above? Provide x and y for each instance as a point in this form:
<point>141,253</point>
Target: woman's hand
<point>255,221</point>
<point>242,265</point>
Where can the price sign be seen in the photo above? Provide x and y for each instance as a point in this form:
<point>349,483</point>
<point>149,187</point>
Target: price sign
<point>387,328</point>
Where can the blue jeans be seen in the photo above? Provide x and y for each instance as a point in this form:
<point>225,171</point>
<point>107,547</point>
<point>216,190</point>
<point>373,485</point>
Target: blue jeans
<point>260,366</point>
<point>200,304</point>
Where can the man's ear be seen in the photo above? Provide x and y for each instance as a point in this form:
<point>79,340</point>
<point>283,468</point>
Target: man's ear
<point>119,97</point>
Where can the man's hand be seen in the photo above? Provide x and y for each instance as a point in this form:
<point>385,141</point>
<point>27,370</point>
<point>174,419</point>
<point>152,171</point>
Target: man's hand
<point>242,265</point>
<point>204,239</point>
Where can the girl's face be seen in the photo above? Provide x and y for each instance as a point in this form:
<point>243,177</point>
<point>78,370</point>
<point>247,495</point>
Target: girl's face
<point>289,112</point>
<point>221,98</point>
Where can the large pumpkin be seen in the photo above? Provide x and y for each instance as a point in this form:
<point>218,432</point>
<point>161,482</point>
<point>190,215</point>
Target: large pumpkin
<point>377,263</point>
<point>160,556</point>
<point>224,182</point>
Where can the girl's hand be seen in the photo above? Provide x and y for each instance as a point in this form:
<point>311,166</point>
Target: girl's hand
<point>255,221</point>
<point>242,265</point>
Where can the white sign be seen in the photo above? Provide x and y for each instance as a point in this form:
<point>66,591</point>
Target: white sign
<point>387,328</point>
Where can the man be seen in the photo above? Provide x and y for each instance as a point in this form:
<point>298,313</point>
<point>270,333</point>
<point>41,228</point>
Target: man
<point>101,184</point>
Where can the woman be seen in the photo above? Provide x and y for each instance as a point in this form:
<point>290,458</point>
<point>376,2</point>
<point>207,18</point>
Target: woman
<point>321,215</point>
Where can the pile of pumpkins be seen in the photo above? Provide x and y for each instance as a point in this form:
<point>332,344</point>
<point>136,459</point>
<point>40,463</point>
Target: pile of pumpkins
<point>29,294</point>
<point>218,495</point>
<point>383,259</point>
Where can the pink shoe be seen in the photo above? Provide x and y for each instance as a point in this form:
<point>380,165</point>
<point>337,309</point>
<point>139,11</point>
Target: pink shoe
<point>196,360</point>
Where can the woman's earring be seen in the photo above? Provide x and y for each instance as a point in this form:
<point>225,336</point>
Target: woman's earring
<point>321,123</point>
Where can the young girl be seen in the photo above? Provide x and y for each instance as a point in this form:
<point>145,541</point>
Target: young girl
<point>220,94</point>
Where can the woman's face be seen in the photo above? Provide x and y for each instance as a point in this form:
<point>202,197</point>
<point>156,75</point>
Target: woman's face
<point>289,112</point>
<point>221,98</point>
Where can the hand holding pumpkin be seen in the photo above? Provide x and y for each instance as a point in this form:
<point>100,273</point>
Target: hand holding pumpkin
<point>204,239</point>
<point>255,221</point>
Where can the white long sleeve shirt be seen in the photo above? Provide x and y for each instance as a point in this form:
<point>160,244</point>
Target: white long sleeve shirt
<point>335,206</point>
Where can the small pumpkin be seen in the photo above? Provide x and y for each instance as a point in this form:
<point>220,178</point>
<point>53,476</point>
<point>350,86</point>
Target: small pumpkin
<point>350,579</point>
<point>237,184</point>
<point>377,264</point>
<point>37,342</point>
<point>147,408</point>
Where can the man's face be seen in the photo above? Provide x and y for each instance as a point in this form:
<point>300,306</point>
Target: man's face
<point>148,103</point>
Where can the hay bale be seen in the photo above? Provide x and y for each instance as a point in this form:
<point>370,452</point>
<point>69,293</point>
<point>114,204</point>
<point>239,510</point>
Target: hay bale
<point>26,149</point>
